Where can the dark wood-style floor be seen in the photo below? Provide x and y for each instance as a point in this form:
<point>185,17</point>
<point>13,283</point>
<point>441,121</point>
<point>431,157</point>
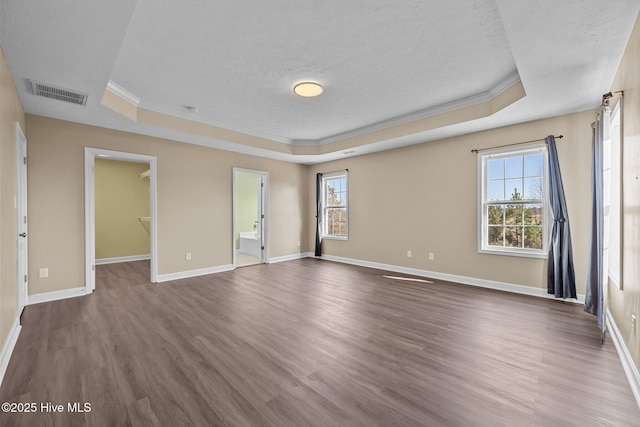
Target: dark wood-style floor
<point>312,343</point>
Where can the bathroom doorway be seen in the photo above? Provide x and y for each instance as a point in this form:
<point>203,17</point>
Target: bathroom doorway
<point>250,219</point>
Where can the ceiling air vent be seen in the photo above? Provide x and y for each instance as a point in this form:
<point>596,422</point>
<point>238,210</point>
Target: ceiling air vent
<point>66,95</point>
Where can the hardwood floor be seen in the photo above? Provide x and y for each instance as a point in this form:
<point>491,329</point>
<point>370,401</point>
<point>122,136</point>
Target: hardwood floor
<point>244,260</point>
<point>312,343</point>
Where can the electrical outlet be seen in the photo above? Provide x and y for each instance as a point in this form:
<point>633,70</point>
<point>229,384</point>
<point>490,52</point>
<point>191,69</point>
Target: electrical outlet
<point>431,256</point>
<point>409,254</point>
<point>43,272</point>
<point>187,256</point>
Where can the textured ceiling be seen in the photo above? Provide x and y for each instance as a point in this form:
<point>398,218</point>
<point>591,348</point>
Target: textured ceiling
<point>375,60</point>
<point>384,65</point>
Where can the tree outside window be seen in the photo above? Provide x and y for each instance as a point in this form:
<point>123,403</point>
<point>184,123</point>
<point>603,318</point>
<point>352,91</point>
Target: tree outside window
<point>513,202</point>
<point>335,216</point>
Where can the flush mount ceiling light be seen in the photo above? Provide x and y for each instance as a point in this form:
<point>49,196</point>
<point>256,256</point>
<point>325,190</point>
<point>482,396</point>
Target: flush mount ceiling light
<point>307,89</point>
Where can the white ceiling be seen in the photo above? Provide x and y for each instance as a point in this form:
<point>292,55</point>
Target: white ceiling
<point>381,63</point>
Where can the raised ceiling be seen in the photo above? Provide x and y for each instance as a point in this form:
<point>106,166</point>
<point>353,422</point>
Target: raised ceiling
<point>393,73</point>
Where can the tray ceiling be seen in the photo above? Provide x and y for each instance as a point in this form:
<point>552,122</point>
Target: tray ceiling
<point>393,73</point>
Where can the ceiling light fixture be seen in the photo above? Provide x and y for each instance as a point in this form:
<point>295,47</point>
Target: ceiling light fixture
<point>307,89</point>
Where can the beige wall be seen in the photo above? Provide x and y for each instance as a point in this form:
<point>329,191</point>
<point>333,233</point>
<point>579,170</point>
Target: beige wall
<point>624,303</point>
<point>194,200</point>
<point>423,198</point>
<point>121,198</point>
<point>10,112</point>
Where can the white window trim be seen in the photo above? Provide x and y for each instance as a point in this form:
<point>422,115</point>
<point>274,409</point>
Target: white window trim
<point>326,176</point>
<point>613,266</point>
<point>546,221</point>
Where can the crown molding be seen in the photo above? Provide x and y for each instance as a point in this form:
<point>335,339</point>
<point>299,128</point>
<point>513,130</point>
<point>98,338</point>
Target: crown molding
<point>457,104</point>
<point>483,104</point>
<point>123,93</point>
<point>194,117</point>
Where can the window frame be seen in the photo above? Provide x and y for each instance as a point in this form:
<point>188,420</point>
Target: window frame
<point>612,198</point>
<point>326,177</point>
<point>482,205</point>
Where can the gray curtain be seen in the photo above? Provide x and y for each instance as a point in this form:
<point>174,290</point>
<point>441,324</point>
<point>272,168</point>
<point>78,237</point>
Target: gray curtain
<point>594,299</point>
<point>561,279</point>
<point>318,214</point>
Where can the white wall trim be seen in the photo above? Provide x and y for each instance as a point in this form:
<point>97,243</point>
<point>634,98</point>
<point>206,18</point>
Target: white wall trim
<point>490,284</point>
<point>457,104</point>
<point>193,273</point>
<point>123,93</point>
<point>290,257</point>
<point>7,348</point>
<point>630,369</point>
<point>118,259</point>
<point>56,295</point>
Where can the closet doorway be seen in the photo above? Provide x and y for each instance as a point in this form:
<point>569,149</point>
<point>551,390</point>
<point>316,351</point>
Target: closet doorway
<point>250,218</point>
<point>120,211</point>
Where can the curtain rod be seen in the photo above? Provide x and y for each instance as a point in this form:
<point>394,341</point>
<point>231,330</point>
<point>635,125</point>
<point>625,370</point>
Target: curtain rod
<point>476,150</point>
<point>608,95</point>
<point>336,171</point>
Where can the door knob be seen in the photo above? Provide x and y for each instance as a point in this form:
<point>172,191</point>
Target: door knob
<point>22,234</point>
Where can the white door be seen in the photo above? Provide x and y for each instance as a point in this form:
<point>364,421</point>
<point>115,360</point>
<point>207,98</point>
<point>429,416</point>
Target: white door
<point>261,217</point>
<point>21,214</point>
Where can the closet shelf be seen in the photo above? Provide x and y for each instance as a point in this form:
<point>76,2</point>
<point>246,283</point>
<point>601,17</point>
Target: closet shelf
<point>144,218</point>
<point>145,174</point>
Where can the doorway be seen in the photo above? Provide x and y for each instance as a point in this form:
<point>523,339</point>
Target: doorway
<point>140,220</point>
<point>21,217</point>
<point>250,219</point>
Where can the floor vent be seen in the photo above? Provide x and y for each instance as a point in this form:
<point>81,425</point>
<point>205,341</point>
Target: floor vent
<point>53,92</point>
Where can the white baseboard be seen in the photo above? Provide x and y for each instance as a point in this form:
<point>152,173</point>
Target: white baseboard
<point>129,258</point>
<point>290,257</point>
<point>7,348</point>
<point>56,295</point>
<point>193,273</point>
<point>630,369</point>
<point>490,284</point>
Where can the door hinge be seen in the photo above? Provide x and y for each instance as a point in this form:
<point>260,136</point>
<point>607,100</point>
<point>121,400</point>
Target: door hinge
<point>93,268</point>
<point>262,216</point>
<point>25,219</point>
<point>24,159</point>
<point>262,248</point>
<point>25,278</point>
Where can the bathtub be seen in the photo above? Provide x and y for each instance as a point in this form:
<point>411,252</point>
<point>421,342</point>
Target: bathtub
<point>249,243</point>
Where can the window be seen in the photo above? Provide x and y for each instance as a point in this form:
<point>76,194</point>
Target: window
<point>611,165</point>
<point>334,205</point>
<point>512,202</point>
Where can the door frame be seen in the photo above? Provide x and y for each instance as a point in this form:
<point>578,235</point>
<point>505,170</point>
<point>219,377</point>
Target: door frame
<point>22,263</point>
<point>263,206</point>
<point>90,155</point>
